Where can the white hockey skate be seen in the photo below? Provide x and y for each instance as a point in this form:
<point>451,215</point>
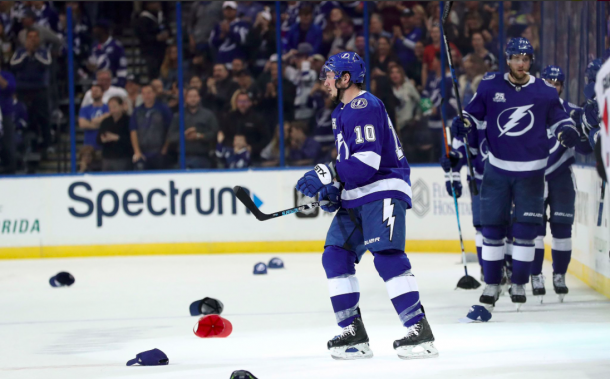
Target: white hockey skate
<point>490,295</point>
<point>352,343</point>
<point>538,289</point>
<point>517,295</point>
<point>559,284</point>
<point>418,343</point>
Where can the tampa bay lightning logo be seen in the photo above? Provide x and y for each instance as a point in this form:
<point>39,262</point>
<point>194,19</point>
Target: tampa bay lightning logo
<point>516,121</point>
<point>359,103</point>
<point>484,149</point>
<point>345,56</point>
<point>342,144</point>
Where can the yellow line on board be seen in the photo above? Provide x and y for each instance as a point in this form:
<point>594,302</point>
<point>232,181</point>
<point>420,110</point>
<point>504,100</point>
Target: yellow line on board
<point>419,246</point>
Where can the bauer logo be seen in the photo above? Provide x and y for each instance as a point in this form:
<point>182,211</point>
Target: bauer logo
<point>170,200</point>
<point>421,198</point>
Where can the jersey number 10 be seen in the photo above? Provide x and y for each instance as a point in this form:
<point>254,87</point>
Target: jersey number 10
<point>369,135</point>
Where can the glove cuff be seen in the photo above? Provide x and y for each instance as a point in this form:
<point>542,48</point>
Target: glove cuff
<point>324,174</point>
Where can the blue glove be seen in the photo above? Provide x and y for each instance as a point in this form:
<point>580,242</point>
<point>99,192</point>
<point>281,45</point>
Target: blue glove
<point>313,181</point>
<point>460,128</point>
<point>457,184</point>
<point>576,116</point>
<point>593,134</point>
<point>332,193</point>
<point>590,116</point>
<point>452,161</point>
<point>568,136</point>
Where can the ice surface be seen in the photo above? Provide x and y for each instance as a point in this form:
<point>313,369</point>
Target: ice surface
<point>121,306</point>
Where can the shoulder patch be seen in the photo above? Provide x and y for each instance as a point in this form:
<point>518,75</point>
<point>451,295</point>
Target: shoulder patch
<point>359,103</point>
<point>488,76</point>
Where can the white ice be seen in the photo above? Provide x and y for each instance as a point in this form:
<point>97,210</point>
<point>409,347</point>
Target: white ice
<point>121,306</point>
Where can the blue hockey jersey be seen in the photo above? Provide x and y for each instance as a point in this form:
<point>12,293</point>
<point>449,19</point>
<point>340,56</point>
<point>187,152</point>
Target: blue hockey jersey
<point>370,160</point>
<point>233,45</point>
<point>111,56</point>
<point>517,121</point>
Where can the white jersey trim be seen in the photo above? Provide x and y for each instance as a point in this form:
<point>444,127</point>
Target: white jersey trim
<point>370,158</point>
<point>517,166</point>
<point>569,153</point>
<point>393,184</point>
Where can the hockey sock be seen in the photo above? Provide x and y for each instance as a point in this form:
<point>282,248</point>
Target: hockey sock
<point>395,270</point>
<point>493,260</point>
<point>343,287</point>
<point>478,239</point>
<point>523,255</point>
<point>561,246</point>
<point>538,256</point>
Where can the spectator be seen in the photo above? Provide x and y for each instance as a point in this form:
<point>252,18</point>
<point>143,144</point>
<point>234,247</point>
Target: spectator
<point>491,35</point>
<point>169,67</point>
<point>304,150</point>
<point>219,89</point>
<point>91,116</point>
<point>382,57</point>
<point>346,40</point>
<point>31,66</point>
<point>317,62</point>
<point>160,94</point>
<point>305,31</point>
<point>229,36</point>
<point>323,106</point>
<point>478,47</point>
<point>354,10</point>
<point>376,29</point>
<point>331,29</point>
<point>236,156</point>
<point>48,38</point>
<point>108,54</point>
<point>431,50</point>
<point>406,36</point>
<point>261,41</point>
<point>46,16</point>
<point>474,69</point>
<point>245,120</point>
<point>86,160</point>
<point>104,79</point>
<point>414,69</point>
<point>271,152</point>
<point>303,77</point>
<point>473,24</point>
<point>389,14</point>
<point>248,10</point>
<point>361,45</point>
<point>7,136</point>
<point>268,100</point>
<point>245,83</point>
<point>407,95</point>
<point>196,83</point>
<point>201,127</point>
<point>237,65</point>
<point>202,17</point>
<point>114,139</point>
<point>153,32</point>
<point>132,87</point>
<point>82,41</point>
<point>148,127</point>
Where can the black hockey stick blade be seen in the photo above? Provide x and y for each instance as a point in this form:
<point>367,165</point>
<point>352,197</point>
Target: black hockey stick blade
<point>468,283</point>
<point>446,11</point>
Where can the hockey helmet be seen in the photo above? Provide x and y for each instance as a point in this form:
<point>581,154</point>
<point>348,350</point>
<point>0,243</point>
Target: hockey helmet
<point>345,62</point>
<point>519,46</point>
<point>553,73</point>
<point>592,70</point>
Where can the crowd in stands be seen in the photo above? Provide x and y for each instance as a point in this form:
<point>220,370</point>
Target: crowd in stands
<point>230,75</point>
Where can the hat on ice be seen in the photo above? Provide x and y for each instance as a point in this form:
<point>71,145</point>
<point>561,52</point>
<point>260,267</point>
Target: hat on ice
<point>476,313</point>
<point>206,306</point>
<point>276,263</point>
<point>62,279</point>
<point>213,326</point>
<point>242,374</point>
<point>260,268</point>
<point>154,357</point>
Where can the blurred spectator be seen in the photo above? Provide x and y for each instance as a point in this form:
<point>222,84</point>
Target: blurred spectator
<point>169,67</point>
<point>414,69</point>
<point>196,82</point>
<point>376,29</point>
<point>268,101</point>
<point>382,57</point>
<point>331,29</point>
<point>46,16</point>
<point>346,39</point>
<point>406,36</point>
<point>531,33</point>
<point>354,10</point>
<point>431,50</point>
<point>244,80</point>
<point>303,77</point>
<point>148,127</point>
<point>160,93</point>
<point>407,95</point>
<point>261,41</point>
<point>474,69</point>
<point>91,116</point>
<point>201,127</point>
<point>86,160</point>
<point>132,87</point>
<point>243,119</point>
<point>389,14</point>
<point>248,10</point>
<point>153,32</point>
<point>289,18</point>
<point>360,45</point>
<point>323,106</point>
<point>317,62</point>
<point>48,38</point>
<point>104,80</point>
<point>490,35</point>
<point>81,40</point>
<point>304,150</point>
<point>237,65</point>
<point>218,90</point>
<point>478,48</point>
<point>381,86</point>
<point>109,54</point>
<point>7,21</point>
<point>473,24</point>
<point>31,67</point>
<point>305,31</point>
<point>236,156</point>
<point>202,17</point>
<point>114,139</point>
<point>271,152</point>
<point>229,36</point>
<point>7,136</point>
<point>23,136</point>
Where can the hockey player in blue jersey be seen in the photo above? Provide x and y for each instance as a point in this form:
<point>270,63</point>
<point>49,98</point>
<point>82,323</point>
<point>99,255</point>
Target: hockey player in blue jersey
<point>590,115</point>
<point>518,110</point>
<point>370,190</point>
<point>560,198</point>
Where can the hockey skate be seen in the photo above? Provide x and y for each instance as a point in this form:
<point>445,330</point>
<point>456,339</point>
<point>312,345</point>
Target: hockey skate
<point>517,295</point>
<point>490,295</point>
<point>352,343</point>
<point>538,286</point>
<point>418,343</point>
<point>559,284</point>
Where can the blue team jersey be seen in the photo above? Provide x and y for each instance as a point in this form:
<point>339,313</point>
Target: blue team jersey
<point>517,118</point>
<point>370,161</point>
<point>90,112</point>
<point>111,56</point>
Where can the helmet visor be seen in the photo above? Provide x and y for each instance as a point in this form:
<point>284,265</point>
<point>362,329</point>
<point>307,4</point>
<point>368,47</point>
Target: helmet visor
<point>324,73</point>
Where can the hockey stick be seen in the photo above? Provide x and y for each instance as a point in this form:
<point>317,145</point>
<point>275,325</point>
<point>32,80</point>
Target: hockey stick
<point>445,15</point>
<point>601,204</point>
<point>467,282</point>
<point>244,197</point>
